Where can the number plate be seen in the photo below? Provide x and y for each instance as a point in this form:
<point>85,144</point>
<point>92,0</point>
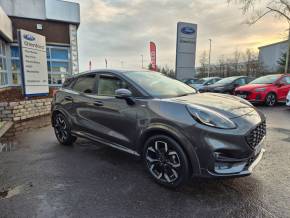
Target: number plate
<point>242,96</point>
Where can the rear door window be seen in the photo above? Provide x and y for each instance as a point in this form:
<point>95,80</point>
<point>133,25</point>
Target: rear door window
<point>241,81</point>
<point>85,84</point>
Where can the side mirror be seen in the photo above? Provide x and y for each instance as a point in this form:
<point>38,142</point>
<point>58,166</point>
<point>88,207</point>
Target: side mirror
<point>125,94</point>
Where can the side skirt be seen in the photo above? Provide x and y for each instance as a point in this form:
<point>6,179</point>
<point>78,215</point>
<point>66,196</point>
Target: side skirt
<point>97,139</point>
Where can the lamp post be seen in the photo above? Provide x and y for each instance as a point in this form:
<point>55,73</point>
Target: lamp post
<point>142,61</point>
<point>209,56</point>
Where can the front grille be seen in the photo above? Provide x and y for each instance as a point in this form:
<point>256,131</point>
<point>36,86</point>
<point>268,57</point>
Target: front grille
<point>256,135</point>
<point>242,93</point>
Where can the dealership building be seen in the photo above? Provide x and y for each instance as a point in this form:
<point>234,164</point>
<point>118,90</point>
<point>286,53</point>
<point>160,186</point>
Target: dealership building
<point>56,20</point>
<point>269,55</point>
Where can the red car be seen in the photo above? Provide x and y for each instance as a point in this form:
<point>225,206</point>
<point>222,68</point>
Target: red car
<point>266,89</point>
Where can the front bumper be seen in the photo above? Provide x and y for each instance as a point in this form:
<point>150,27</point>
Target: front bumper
<point>243,168</point>
<point>229,153</point>
<point>253,97</point>
<point>288,101</point>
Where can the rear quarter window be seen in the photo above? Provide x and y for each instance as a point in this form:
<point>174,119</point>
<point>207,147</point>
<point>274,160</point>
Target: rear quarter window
<point>68,82</point>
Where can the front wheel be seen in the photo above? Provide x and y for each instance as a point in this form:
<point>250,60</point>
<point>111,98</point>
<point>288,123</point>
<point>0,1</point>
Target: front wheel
<point>166,161</point>
<point>62,130</point>
<point>271,99</point>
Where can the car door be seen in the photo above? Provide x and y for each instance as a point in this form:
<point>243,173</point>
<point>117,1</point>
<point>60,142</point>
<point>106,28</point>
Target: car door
<point>112,119</point>
<point>81,94</point>
<point>283,88</point>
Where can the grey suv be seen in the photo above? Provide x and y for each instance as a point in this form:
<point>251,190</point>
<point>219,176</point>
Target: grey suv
<point>178,132</point>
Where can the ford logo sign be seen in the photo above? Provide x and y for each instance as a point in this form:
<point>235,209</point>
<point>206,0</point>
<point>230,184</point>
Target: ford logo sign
<point>187,30</point>
<point>29,37</point>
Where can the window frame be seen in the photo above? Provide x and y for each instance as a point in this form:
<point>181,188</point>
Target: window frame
<point>4,58</point>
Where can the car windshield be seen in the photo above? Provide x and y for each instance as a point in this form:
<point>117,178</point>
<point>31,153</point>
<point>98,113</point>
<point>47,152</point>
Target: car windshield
<point>266,79</point>
<point>158,85</point>
<point>226,80</point>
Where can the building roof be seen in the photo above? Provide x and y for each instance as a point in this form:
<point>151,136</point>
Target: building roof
<point>56,10</point>
<point>273,44</point>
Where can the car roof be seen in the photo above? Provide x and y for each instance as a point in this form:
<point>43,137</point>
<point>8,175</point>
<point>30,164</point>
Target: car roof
<point>213,77</point>
<point>116,71</point>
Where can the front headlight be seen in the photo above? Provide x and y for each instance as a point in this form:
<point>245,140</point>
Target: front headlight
<point>260,89</point>
<point>210,118</point>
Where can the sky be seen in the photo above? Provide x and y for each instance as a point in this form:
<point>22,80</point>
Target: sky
<point>120,30</point>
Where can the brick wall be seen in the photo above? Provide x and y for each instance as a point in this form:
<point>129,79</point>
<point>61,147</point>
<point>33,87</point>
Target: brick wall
<point>22,110</point>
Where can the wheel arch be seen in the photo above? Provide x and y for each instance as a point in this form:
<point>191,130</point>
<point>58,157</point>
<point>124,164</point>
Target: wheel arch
<point>179,138</point>
<point>59,110</point>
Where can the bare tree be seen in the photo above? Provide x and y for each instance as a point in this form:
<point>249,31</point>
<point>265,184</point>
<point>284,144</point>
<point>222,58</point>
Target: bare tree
<point>203,60</point>
<point>279,8</point>
<point>236,61</point>
<point>222,66</point>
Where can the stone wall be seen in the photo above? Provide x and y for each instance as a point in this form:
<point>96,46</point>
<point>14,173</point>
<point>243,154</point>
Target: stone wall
<point>22,110</point>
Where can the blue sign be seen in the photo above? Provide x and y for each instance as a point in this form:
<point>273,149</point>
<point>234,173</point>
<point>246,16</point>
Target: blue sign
<point>29,37</point>
<point>187,30</point>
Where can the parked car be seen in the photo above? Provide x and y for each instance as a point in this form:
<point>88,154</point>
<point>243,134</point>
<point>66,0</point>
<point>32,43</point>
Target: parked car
<point>178,132</point>
<point>268,89</point>
<point>288,99</point>
<point>190,81</point>
<point>205,82</point>
<point>226,85</point>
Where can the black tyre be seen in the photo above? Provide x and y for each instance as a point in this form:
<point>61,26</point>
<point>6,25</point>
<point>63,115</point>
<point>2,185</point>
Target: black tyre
<point>62,130</point>
<point>166,161</point>
<point>271,99</point>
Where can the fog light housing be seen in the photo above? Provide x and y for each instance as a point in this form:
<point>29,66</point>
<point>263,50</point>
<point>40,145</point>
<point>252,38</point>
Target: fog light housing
<point>258,97</point>
<point>229,168</point>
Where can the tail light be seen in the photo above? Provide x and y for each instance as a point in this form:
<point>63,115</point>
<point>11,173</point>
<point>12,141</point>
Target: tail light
<point>54,92</point>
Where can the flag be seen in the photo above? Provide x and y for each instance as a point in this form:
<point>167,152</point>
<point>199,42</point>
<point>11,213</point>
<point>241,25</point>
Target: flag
<point>153,55</point>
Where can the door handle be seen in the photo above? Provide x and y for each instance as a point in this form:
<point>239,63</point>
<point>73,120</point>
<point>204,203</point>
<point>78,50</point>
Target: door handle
<point>68,98</point>
<point>98,103</point>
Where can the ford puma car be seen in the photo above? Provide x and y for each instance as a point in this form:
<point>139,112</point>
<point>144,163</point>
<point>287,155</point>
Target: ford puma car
<point>178,132</point>
<point>267,89</point>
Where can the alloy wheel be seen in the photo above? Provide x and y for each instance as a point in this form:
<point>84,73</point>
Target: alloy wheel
<point>271,99</point>
<point>61,128</point>
<point>163,161</point>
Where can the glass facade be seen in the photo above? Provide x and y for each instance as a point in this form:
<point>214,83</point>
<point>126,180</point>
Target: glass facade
<point>58,64</point>
<point>3,64</point>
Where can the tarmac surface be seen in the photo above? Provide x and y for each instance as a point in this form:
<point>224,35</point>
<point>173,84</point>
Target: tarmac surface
<point>40,178</point>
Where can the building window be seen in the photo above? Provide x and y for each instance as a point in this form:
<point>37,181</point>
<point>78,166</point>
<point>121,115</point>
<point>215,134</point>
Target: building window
<point>15,65</point>
<point>3,67</point>
<point>58,64</point>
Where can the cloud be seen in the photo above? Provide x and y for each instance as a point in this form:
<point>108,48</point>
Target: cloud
<point>120,30</point>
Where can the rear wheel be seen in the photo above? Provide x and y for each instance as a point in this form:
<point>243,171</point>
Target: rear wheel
<point>166,161</point>
<point>271,99</point>
<point>62,130</point>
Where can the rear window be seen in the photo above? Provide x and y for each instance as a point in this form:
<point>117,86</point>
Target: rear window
<point>68,82</point>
